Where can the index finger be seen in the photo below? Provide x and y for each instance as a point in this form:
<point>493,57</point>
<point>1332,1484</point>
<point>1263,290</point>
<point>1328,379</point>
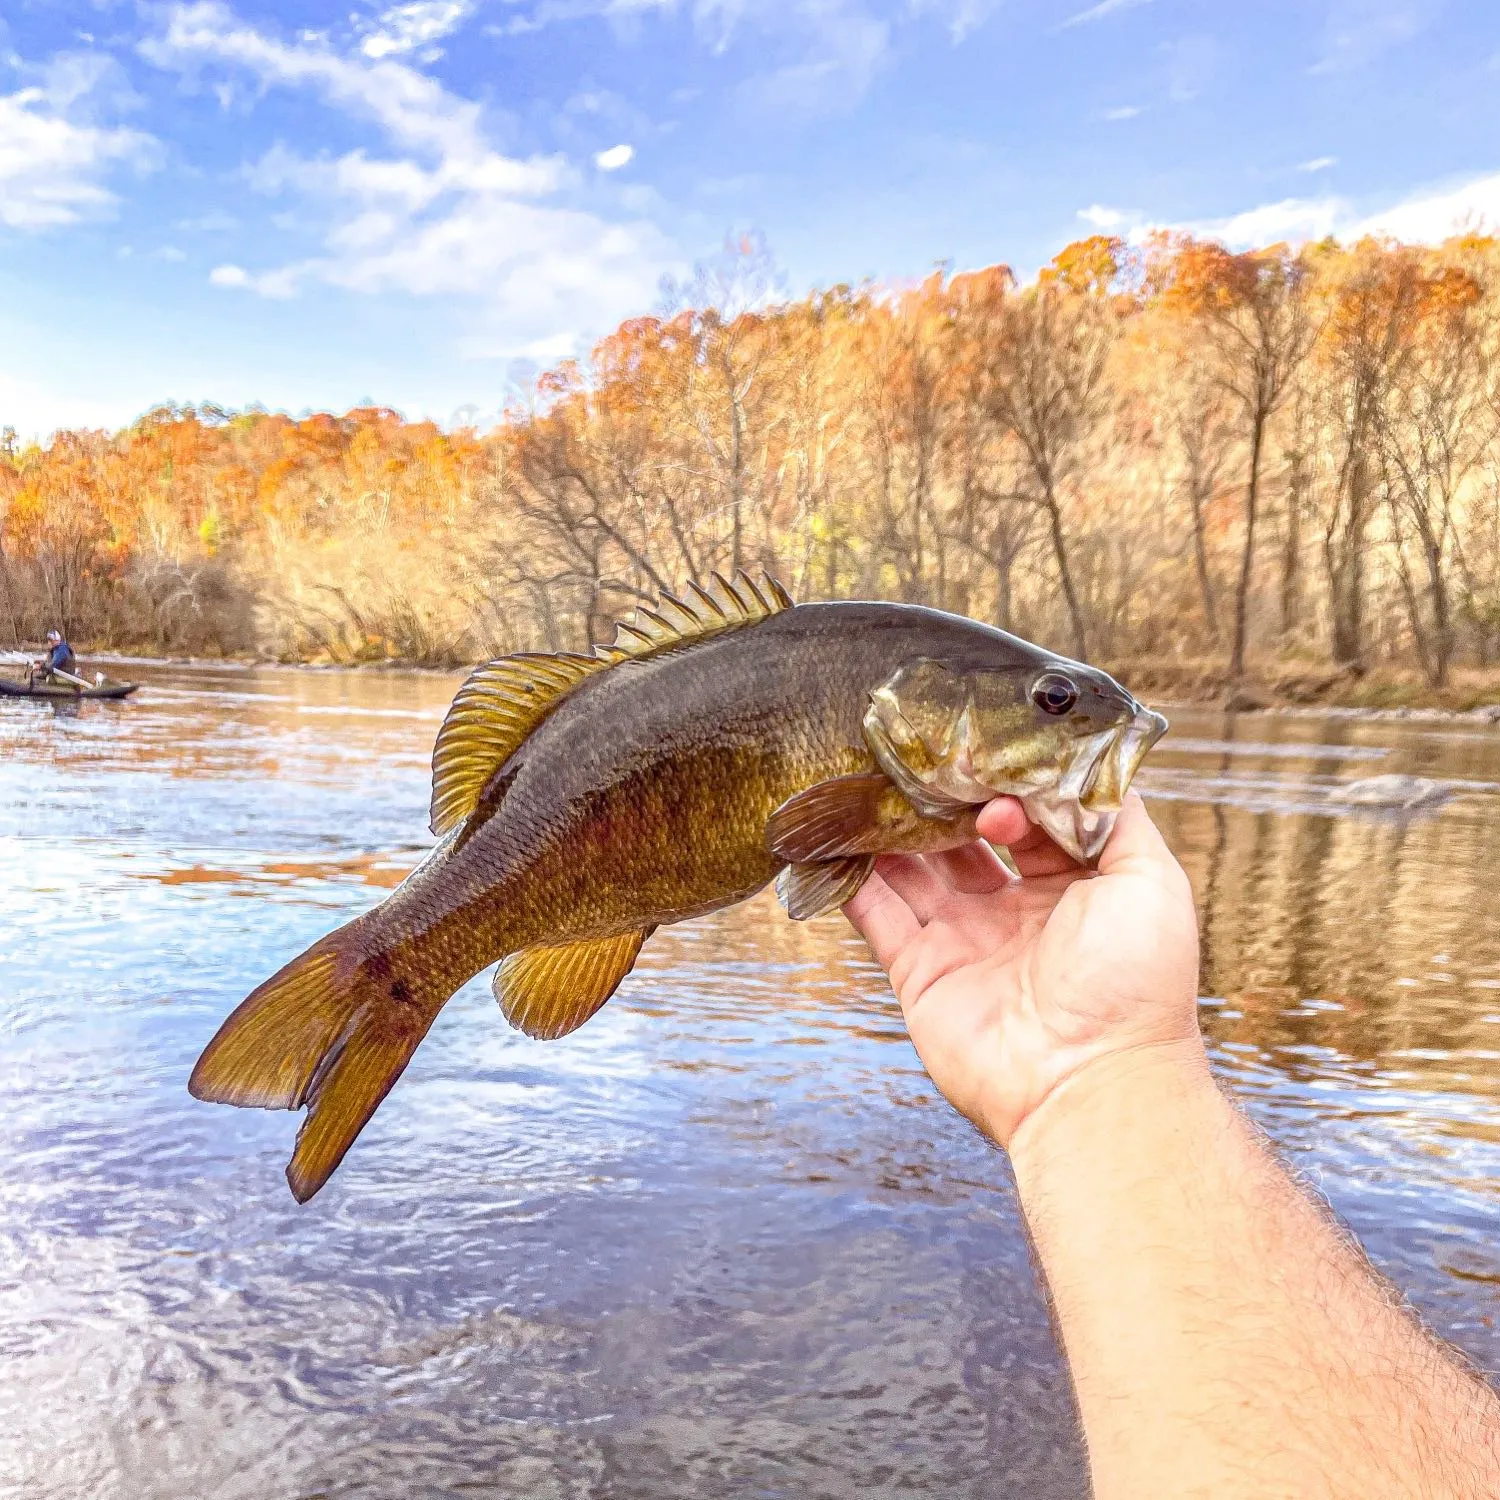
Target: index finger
<point>1030,849</point>
<point>883,919</point>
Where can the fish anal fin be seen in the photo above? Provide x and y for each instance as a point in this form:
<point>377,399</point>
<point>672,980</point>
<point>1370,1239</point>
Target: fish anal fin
<point>863,814</point>
<point>548,992</point>
<point>503,701</point>
<point>809,890</point>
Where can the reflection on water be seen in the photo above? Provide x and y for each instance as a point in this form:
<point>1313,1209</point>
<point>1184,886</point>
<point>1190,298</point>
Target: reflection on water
<point>725,1240</point>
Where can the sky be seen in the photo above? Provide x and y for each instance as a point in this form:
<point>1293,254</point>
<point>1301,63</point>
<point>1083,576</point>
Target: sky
<point>316,205</point>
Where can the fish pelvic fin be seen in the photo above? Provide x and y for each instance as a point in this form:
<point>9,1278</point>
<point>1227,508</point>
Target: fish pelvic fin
<point>548,992</point>
<point>811,890</point>
<point>503,701</point>
<point>331,1032</point>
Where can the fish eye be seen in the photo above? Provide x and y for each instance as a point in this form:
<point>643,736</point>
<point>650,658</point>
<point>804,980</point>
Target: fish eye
<point>1053,693</point>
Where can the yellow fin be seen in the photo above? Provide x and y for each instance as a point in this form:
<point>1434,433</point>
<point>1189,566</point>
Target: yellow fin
<point>500,704</point>
<point>548,992</point>
<point>504,700</point>
<point>809,890</point>
<point>330,1031</point>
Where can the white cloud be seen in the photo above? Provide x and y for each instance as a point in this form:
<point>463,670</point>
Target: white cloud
<point>1102,9</point>
<point>1123,112</point>
<point>1436,214</point>
<point>1270,223</point>
<point>1318,164</point>
<point>1103,218</point>
<point>54,151</point>
<point>443,214</point>
<point>416,26</point>
<point>1425,217</point>
<point>614,158</point>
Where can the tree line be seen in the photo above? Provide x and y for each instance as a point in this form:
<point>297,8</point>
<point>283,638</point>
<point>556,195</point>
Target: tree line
<point>1164,451</point>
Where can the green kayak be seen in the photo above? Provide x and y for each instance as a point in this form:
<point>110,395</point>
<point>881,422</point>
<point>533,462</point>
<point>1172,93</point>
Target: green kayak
<point>12,688</point>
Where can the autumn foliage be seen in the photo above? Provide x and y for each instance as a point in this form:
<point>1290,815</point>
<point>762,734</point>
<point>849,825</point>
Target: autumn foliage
<point>1170,450</point>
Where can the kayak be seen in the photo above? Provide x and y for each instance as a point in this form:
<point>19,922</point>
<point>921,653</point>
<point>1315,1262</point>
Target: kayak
<point>11,688</point>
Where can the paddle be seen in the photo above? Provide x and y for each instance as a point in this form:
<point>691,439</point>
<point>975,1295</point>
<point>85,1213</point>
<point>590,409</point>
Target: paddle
<point>21,659</point>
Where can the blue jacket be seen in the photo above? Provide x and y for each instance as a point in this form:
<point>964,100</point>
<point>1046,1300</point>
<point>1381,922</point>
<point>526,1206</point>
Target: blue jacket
<point>60,658</point>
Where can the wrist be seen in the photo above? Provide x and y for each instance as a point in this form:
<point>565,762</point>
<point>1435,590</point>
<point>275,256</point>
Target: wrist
<point>1115,1102</point>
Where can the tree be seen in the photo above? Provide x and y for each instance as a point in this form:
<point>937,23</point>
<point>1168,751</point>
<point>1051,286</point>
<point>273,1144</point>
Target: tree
<point>1254,312</point>
<point>1046,387</point>
<point>1433,430</point>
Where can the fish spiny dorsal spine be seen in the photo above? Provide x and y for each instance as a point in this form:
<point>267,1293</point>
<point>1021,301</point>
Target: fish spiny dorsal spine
<point>503,701</point>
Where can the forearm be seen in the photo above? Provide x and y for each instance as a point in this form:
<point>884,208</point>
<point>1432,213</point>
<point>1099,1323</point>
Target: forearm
<point>1225,1337</point>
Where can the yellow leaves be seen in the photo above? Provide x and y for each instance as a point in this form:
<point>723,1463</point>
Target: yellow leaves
<point>1089,265</point>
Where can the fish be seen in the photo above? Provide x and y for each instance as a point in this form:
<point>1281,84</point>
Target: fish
<point>723,740</point>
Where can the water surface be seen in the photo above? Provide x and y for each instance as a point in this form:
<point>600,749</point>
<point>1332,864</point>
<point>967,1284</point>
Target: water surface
<point>724,1240</point>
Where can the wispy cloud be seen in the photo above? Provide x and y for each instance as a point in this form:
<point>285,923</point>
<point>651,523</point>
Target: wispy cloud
<point>1360,30</point>
<point>414,27</point>
<point>54,151</point>
<point>1124,112</point>
<point>1101,10</point>
<point>440,212</point>
<point>1318,164</point>
<point>811,57</point>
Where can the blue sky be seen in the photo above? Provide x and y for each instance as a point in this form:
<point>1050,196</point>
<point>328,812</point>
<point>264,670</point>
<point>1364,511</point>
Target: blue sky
<point>313,205</point>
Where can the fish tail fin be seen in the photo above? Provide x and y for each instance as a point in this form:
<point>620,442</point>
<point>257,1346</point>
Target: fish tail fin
<point>331,1032</point>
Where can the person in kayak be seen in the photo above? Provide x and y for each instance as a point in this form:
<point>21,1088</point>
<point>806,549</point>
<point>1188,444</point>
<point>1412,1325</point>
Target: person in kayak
<point>1225,1334</point>
<point>59,657</point>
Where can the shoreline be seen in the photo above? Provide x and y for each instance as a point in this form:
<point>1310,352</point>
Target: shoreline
<point>1294,689</point>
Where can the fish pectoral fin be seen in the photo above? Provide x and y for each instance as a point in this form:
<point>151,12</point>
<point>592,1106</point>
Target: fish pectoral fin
<point>548,992</point>
<point>809,890</point>
<point>842,816</point>
<point>863,814</point>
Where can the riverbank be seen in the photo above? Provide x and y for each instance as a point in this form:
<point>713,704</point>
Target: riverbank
<point>1270,685</point>
<point>1385,691</point>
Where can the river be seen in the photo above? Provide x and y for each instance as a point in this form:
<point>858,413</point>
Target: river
<point>724,1240</point>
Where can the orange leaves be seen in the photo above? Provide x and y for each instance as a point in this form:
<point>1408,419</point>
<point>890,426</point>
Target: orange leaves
<point>1091,265</point>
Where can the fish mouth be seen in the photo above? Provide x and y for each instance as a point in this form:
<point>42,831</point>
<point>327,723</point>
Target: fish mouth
<point>1078,810</point>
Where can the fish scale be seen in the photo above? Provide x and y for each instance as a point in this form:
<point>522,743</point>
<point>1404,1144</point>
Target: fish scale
<point>720,742</point>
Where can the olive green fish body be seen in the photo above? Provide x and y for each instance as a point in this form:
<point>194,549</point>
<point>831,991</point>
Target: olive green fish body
<point>644,797</point>
<point>673,778</point>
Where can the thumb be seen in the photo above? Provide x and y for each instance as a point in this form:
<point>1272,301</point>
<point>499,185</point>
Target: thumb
<point>1136,846</point>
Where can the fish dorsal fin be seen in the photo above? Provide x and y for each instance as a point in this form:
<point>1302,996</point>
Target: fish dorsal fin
<point>504,700</point>
<point>500,704</point>
<point>548,992</point>
<point>672,622</point>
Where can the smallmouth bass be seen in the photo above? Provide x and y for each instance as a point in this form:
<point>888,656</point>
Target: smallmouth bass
<point>722,741</point>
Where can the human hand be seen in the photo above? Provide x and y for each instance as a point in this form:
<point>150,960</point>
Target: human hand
<point>1009,986</point>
